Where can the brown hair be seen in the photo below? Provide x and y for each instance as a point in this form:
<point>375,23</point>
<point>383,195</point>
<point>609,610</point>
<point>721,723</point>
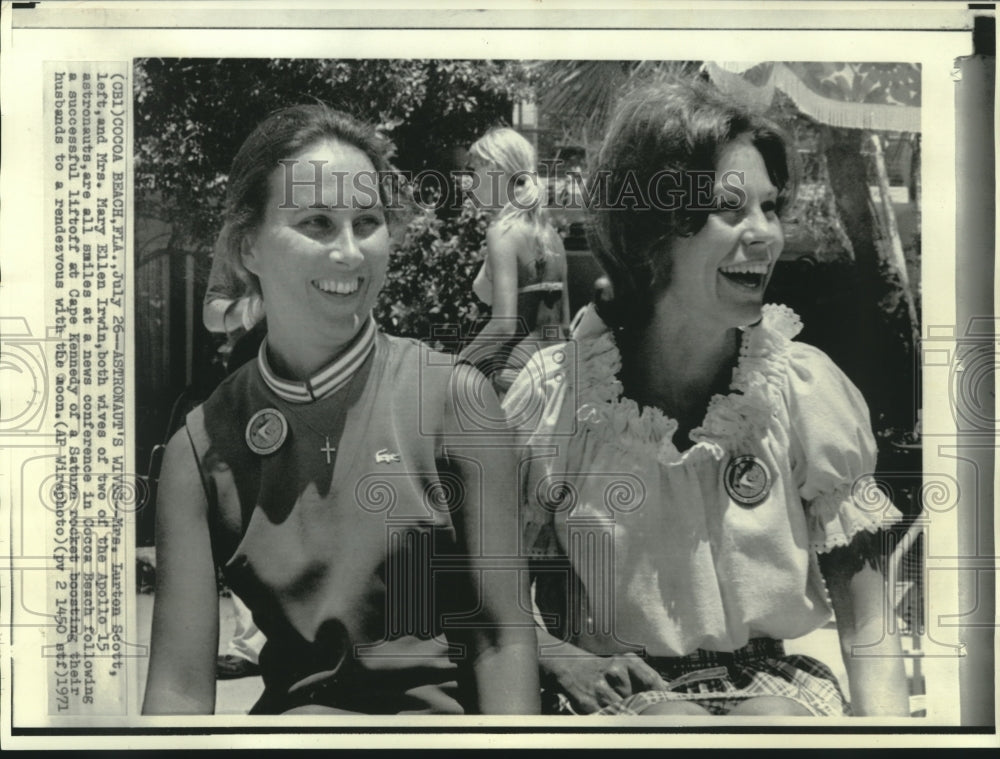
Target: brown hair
<point>680,126</point>
<point>282,135</point>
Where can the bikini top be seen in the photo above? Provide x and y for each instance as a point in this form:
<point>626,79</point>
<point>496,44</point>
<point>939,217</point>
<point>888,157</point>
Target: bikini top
<point>482,286</point>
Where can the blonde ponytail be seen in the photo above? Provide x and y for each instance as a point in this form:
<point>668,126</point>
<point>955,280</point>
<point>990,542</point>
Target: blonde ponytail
<point>507,151</point>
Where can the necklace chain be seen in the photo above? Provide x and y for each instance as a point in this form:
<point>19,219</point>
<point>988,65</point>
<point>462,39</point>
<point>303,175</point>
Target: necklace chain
<point>337,421</point>
<point>346,395</point>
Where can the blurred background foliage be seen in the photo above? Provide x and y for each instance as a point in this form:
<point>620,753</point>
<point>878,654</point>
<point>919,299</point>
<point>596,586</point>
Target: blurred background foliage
<point>428,289</point>
<point>191,115</point>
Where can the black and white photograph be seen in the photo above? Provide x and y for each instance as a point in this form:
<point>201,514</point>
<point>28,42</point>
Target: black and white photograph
<point>404,372</point>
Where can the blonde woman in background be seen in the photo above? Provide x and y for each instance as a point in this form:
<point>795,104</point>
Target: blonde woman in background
<point>523,277</point>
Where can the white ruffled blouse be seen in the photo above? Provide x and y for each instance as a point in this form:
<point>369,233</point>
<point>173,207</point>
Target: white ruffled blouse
<point>663,558</point>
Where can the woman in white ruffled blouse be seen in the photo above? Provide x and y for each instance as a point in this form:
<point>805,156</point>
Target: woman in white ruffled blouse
<point>698,487</point>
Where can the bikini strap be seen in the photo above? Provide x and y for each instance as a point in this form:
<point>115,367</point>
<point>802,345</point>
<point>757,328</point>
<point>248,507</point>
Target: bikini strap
<point>541,287</point>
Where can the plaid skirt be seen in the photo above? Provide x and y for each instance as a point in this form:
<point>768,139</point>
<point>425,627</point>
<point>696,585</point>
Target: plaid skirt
<point>718,681</point>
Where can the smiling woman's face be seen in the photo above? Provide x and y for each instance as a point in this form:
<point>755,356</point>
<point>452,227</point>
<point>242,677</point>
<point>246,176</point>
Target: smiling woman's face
<point>720,273</point>
<point>321,250</point>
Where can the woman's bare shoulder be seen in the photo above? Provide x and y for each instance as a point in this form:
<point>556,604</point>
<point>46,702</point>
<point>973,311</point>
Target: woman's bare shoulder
<point>512,230</point>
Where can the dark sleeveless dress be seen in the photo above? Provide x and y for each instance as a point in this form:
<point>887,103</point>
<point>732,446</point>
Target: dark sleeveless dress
<point>350,569</point>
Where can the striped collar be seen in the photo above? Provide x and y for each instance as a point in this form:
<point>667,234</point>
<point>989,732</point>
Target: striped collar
<point>327,380</point>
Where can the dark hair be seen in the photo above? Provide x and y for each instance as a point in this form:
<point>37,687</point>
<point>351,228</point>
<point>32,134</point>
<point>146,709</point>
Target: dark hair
<point>282,135</point>
<point>678,126</point>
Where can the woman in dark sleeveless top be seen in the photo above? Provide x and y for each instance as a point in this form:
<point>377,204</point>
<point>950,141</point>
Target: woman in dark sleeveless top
<point>338,478</point>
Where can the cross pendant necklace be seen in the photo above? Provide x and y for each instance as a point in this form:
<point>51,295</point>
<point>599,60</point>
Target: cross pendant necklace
<point>336,422</point>
<point>327,449</point>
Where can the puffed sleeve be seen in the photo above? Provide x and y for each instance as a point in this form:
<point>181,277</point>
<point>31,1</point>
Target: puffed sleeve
<point>833,452</point>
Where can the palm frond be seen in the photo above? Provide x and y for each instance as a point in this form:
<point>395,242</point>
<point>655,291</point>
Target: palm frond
<point>581,95</point>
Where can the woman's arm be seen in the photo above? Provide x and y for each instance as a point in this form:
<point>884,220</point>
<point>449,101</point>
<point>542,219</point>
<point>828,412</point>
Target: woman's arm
<point>505,658</point>
<point>566,315</point>
<point>185,636</point>
<point>501,255</point>
<point>872,655</point>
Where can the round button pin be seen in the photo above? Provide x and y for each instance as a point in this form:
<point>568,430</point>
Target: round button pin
<point>747,480</point>
<point>266,431</point>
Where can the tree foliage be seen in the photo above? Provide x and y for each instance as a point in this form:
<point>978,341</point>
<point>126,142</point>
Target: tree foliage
<point>428,291</point>
<point>191,115</point>
<point>578,97</point>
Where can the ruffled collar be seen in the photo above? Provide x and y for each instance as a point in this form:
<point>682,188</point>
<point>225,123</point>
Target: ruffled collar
<point>730,420</point>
